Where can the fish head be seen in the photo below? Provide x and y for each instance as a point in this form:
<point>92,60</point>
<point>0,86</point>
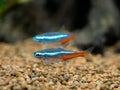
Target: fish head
<point>37,54</point>
<point>37,38</point>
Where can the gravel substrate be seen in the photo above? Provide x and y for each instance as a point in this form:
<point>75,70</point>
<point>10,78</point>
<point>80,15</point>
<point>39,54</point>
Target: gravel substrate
<point>19,70</point>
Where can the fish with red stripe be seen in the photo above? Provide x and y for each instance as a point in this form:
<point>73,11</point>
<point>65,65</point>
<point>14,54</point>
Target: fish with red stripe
<point>51,37</point>
<point>58,53</point>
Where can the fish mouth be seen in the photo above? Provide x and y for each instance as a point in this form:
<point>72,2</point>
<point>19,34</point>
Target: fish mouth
<point>35,39</point>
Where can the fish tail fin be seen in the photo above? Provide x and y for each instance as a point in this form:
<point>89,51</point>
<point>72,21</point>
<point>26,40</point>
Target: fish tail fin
<point>88,54</point>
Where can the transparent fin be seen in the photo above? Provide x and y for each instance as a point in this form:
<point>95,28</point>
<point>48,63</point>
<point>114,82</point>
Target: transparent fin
<point>51,60</point>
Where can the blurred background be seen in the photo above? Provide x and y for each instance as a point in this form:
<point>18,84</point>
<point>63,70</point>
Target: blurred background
<point>95,23</point>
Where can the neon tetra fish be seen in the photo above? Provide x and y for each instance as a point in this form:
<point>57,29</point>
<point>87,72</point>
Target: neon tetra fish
<point>58,53</point>
<point>51,37</point>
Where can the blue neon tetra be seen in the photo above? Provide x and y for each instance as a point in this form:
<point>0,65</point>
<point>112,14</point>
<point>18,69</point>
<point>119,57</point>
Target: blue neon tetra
<point>58,53</point>
<point>52,37</point>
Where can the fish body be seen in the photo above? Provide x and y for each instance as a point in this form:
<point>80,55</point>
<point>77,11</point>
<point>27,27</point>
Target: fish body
<point>51,37</point>
<point>58,53</point>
